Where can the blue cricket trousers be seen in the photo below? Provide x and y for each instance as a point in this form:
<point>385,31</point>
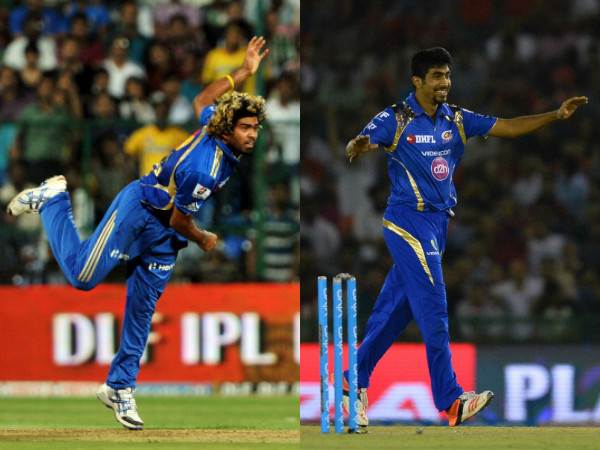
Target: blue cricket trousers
<point>414,289</point>
<point>129,232</point>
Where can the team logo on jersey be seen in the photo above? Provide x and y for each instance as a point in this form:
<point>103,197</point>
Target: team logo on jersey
<point>440,169</point>
<point>420,139</point>
<point>447,136</point>
<point>201,192</point>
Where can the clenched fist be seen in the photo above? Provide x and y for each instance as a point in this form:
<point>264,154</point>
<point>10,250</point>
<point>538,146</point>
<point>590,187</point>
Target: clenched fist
<point>209,241</point>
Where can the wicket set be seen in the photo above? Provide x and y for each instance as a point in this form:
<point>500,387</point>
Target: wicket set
<point>338,338</point>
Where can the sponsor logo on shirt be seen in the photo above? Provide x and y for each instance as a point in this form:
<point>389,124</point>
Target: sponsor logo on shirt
<point>161,267</point>
<point>201,192</point>
<point>440,169</point>
<point>447,136</point>
<point>434,153</point>
<point>435,248</point>
<point>116,254</point>
<point>420,139</point>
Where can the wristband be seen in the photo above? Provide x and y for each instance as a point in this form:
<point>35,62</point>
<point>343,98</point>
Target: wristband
<point>230,79</point>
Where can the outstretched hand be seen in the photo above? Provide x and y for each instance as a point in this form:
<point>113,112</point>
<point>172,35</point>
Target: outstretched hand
<point>253,54</point>
<point>569,106</point>
<point>358,146</point>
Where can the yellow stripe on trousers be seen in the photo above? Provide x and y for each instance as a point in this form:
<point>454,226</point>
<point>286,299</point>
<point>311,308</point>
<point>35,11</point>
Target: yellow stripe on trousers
<point>413,242</point>
<point>92,261</point>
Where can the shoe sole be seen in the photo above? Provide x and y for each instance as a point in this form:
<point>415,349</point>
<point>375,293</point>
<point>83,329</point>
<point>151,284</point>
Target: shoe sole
<point>106,402</point>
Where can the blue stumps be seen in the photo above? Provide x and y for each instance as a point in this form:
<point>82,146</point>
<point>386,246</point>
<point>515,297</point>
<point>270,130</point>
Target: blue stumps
<point>338,354</point>
<point>324,353</point>
<point>351,311</point>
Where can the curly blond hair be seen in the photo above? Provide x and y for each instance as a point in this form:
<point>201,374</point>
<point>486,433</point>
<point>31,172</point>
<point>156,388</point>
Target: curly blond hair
<point>231,107</point>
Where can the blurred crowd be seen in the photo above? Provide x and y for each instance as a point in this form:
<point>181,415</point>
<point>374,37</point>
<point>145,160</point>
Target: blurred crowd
<point>523,255</point>
<point>102,90</point>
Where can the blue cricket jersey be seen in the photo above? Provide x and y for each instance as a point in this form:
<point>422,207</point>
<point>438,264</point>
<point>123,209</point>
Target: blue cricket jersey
<point>201,165</point>
<point>423,152</point>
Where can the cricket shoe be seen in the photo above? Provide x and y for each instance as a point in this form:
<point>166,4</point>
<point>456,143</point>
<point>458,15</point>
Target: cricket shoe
<point>362,402</point>
<point>467,405</point>
<point>31,200</point>
<point>123,404</point>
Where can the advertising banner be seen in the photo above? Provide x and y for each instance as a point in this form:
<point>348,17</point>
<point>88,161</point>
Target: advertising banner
<point>200,333</point>
<point>538,385</point>
<point>400,388</point>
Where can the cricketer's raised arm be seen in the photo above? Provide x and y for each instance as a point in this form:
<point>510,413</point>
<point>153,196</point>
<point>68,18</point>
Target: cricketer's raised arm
<point>254,56</point>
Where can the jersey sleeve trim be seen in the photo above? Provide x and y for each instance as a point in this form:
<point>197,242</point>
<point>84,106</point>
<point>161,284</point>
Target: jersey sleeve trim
<point>216,164</point>
<point>404,116</point>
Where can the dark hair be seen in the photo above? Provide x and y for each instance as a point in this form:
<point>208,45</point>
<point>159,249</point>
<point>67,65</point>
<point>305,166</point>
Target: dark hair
<point>424,60</point>
<point>32,48</point>
<point>79,16</point>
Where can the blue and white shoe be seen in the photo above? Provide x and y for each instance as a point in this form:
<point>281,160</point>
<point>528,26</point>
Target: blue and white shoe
<point>31,200</point>
<point>123,404</point>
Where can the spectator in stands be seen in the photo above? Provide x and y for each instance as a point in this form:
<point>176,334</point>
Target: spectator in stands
<point>110,169</point>
<point>44,137</point>
<point>281,245</point>
<point>181,39</point>
<point>91,51</point>
<point>120,67</point>
<point>224,59</point>
<point>95,11</point>
<point>14,55</point>
<point>165,11</point>
<point>99,84</point>
<point>68,88</point>
<point>151,143</point>
<point>136,105</point>
<point>159,64</point>
<point>52,21</point>
<point>180,108</point>
<point>284,113</point>
<point>127,27</point>
<point>70,61</point>
<point>283,43</point>
<point>190,75</point>
<point>31,73</point>
<point>13,100</point>
<point>13,97</point>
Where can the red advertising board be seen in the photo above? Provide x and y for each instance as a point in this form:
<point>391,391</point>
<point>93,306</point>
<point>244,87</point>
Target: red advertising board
<point>200,333</point>
<point>400,388</point>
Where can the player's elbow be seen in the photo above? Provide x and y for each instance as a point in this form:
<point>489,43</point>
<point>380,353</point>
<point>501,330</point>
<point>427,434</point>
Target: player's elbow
<point>177,222</point>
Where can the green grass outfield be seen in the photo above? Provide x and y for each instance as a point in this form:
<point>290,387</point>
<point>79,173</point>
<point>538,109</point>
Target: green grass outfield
<point>459,438</point>
<point>219,423</point>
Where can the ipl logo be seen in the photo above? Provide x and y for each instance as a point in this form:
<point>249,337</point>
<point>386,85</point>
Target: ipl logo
<point>440,169</point>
